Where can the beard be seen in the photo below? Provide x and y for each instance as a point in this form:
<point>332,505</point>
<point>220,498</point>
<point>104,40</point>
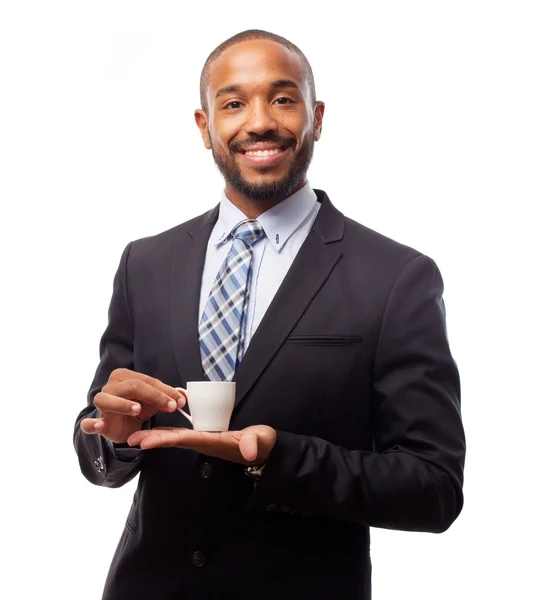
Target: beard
<point>276,190</point>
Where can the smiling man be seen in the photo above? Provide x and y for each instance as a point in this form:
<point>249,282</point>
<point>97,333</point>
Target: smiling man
<point>347,411</point>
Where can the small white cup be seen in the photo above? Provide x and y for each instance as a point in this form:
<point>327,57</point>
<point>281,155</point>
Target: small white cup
<point>211,404</point>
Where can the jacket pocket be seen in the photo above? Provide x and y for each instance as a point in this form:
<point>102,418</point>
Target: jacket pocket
<point>325,340</point>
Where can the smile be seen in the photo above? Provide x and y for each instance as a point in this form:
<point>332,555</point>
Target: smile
<point>262,152</point>
<point>264,157</point>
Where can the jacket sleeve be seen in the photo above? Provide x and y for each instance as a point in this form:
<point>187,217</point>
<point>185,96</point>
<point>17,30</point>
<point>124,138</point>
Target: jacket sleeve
<point>98,462</point>
<point>412,480</point>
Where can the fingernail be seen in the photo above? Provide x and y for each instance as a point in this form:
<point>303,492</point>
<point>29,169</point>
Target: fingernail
<point>97,425</point>
<point>135,408</point>
<point>172,404</point>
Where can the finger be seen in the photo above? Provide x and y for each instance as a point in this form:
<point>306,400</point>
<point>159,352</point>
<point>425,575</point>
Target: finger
<point>115,404</point>
<point>91,426</point>
<point>161,439</point>
<point>170,428</point>
<point>182,400</point>
<point>138,390</point>
<point>174,437</point>
<point>121,375</point>
<point>170,391</point>
<point>249,446</point>
<point>135,438</point>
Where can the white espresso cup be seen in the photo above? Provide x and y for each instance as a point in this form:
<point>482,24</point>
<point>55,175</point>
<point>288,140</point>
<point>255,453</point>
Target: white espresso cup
<point>211,404</point>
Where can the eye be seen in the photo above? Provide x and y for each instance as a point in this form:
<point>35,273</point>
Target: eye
<point>233,105</point>
<point>284,100</point>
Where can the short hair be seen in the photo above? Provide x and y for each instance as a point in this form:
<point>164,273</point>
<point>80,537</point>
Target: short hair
<point>252,34</point>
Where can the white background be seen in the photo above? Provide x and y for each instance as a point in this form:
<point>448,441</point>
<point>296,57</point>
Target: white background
<point>431,137</point>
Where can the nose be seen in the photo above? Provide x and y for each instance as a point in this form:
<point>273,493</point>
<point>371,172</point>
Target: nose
<point>260,119</point>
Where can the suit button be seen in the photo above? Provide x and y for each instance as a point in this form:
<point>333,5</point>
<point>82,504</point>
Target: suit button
<point>198,559</point>
<point>206,470</point>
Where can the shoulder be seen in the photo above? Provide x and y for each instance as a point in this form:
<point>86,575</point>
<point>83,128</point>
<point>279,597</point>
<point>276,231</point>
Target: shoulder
<point>361,245</point>
<point>377,245</point>
<point>156,246</point>
<point>370,253</point>
<point>386,259</point>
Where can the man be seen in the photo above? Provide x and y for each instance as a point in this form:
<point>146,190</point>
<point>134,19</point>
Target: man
<point>347,412</point>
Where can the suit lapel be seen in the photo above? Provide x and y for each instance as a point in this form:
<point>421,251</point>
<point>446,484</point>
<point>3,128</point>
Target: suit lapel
<point>312,266</point>
<point>187,268</point>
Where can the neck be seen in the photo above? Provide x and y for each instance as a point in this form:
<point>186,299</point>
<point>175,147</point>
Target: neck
<point>252,209</point>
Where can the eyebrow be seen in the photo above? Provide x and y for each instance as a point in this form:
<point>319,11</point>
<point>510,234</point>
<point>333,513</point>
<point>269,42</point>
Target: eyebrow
<point>279,83</point>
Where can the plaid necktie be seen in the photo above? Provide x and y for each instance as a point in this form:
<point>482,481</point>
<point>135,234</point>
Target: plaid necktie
<point>222,327</point>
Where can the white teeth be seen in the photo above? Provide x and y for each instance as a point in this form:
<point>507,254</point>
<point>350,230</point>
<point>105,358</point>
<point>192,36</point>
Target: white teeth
<point>262,152</point>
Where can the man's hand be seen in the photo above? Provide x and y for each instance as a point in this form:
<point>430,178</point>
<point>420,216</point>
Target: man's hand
<point>250,446</point>
<point>126,401</point>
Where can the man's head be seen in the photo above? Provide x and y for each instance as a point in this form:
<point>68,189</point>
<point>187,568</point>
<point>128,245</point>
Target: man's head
<point>259,115</point>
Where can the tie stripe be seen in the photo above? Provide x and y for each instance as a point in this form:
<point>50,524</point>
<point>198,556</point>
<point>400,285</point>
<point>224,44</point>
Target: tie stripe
<point>222,327</point>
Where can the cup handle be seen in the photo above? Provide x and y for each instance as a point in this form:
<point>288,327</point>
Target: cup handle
<point>188,417</point>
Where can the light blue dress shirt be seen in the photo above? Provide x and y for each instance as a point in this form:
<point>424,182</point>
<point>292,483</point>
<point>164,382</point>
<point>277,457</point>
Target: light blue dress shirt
<point>286,226</point>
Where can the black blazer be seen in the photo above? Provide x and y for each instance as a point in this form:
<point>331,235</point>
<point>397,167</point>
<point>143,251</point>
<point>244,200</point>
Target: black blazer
<point>351,366</point>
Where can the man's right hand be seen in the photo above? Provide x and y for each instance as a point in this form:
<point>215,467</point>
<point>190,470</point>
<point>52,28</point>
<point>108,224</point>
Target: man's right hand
<point>126,401</point>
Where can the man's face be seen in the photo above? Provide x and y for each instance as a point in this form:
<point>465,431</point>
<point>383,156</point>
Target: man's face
<point>261,123</point>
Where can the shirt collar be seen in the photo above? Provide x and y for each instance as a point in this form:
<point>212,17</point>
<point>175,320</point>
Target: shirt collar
<point>279,222</point>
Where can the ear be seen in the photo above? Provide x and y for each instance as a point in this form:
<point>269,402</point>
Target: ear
<point>202,121</point>
<point>319,108</point>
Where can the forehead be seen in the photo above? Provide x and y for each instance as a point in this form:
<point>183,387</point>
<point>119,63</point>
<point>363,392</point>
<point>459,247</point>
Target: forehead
<point>255,63</point>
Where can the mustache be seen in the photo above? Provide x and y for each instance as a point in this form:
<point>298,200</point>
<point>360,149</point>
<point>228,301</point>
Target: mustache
<point>285,142</point>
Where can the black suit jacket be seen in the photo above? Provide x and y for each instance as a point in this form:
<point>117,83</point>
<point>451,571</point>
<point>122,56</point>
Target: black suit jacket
<point>351,366</point>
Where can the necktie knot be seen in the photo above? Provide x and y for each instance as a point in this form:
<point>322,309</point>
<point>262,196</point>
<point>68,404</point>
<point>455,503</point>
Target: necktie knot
<point>249,231</point>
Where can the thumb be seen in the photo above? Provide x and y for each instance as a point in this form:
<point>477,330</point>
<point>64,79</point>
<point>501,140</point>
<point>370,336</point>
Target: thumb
<point>249,446</point>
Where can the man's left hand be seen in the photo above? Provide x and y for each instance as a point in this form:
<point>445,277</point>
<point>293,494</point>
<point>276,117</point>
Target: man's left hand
<point>250,446</point>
